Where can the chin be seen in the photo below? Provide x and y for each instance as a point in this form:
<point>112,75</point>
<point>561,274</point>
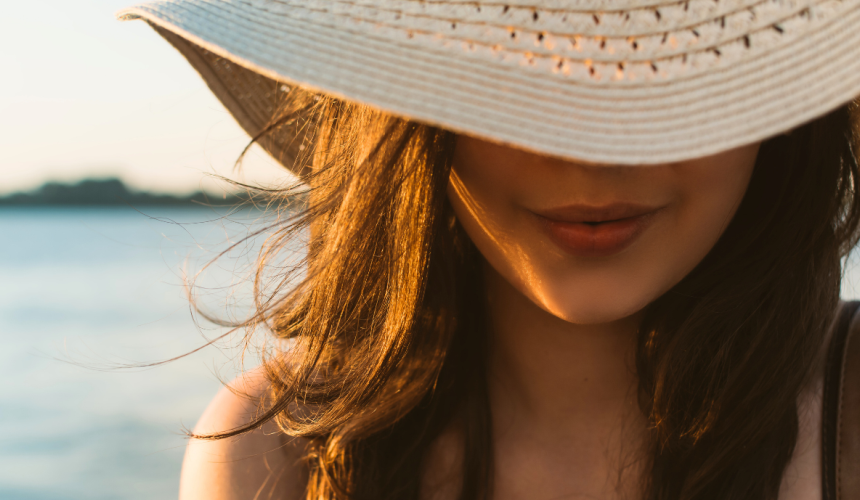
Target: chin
<point>584,307</point>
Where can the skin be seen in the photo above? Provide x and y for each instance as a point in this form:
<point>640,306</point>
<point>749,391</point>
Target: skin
<point>261,464</point>
<point>562,384</point>
<point>495,191</point>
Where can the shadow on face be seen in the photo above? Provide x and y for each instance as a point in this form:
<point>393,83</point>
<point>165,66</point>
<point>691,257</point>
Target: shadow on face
<point>593,243</point>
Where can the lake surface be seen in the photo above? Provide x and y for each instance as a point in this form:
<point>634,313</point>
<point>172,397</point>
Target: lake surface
<point>98,287</point>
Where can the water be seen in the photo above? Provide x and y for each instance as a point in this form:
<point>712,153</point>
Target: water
<point>101,286</point>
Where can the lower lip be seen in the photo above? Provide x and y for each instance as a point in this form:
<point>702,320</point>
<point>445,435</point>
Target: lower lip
<point>597,240</point>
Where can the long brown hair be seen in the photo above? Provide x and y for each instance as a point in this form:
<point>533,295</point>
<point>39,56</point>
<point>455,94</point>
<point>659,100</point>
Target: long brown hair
<point>388,335</point>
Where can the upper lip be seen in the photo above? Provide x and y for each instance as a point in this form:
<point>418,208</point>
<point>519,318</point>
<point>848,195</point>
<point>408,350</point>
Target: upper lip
<point>596,213</point>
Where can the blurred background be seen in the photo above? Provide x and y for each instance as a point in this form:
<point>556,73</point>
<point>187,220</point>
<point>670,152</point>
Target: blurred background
<point>107,137</point>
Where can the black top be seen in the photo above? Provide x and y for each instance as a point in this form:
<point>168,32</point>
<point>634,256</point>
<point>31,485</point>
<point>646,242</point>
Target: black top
<point>832,398</point>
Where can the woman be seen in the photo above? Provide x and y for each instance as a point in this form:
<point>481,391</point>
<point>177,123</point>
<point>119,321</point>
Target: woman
<point>556,249</point>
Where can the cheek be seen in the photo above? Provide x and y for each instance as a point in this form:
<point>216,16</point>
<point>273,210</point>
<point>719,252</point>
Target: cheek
<point>490,217</point>
<point>711,194</point>
<point>708,193</point>
<point>491,197</point>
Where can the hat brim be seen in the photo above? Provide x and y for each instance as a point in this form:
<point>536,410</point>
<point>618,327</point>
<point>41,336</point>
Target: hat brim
<point>243,51</point>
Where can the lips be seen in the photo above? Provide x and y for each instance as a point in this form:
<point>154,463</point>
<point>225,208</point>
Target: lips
<point>596,231</point>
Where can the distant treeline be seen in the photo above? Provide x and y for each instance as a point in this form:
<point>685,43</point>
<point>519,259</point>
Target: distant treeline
<point>108,192</point>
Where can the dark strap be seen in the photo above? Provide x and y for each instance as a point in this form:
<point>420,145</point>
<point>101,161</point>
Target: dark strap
<point>841,412</point>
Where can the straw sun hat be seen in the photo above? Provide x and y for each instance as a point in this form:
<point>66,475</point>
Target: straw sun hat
<point>609,81</point>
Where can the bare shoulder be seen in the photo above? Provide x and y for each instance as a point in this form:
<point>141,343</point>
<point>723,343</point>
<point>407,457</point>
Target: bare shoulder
<point>802,478</point>
<point>261,464</point>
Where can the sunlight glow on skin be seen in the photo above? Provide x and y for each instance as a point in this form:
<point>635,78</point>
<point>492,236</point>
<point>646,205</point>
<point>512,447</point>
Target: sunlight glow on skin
<point>495,189</point>
<point>496,236</point>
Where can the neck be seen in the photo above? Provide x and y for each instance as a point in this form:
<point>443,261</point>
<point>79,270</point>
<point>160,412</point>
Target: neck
<point>563,402</point>
<point>554,374</point>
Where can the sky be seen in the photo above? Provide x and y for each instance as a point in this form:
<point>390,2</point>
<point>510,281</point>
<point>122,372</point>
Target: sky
<point>84,95</point>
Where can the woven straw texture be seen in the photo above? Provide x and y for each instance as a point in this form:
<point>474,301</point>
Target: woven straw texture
<point>607,81</point>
